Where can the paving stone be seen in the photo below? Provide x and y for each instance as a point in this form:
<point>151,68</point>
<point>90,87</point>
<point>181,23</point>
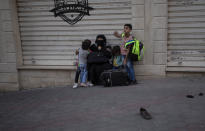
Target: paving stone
<point>107,109</point>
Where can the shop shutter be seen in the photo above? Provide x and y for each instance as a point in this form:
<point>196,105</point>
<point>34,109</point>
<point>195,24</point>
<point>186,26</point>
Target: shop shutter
<point>47,40</point>
<point>186,35</point>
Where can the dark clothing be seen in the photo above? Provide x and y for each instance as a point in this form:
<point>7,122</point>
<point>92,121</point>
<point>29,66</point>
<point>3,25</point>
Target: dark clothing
<point>95,69</point>
<point>93,48</point>
<point>77,74</point>
<point>97,58</point>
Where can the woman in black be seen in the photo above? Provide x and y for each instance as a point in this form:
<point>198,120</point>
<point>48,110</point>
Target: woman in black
<point>98,60</point>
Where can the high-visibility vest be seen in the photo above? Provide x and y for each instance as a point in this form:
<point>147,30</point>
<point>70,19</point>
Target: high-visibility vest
<point>135,48</point>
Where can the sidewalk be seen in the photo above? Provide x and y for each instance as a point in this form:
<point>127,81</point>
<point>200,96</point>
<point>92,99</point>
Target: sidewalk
<point>107,109</point>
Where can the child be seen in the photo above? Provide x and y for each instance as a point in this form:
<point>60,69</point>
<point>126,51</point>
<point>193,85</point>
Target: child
<point>77,71</point>
<point>118,59</point>
<point>82,64</point>
<point>126,36</point>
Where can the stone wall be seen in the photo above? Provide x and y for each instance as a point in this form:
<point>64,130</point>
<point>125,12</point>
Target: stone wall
<point>159,31</point>
<point>150,26</point>
<point>155,39</point>
<point>8,71</point>
<point>35,78</point>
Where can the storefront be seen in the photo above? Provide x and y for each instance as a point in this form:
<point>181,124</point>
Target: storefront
<point>186,35</point>
<point>48,43</point>
<point>172,31</point>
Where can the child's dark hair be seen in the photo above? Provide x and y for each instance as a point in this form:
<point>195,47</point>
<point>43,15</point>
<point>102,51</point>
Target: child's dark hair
<point>128,25</point>
<point>86,44</point>
<point>116,50</point>
<point>109,47</point>
<point>101,36</point>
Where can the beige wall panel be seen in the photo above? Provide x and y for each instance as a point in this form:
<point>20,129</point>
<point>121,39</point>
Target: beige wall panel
<point>42,34</point>
<point>159,10</point>
<point>186,33</point>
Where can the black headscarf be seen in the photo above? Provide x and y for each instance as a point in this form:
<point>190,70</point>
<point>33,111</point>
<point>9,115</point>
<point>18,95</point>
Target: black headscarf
<point>102,42</point>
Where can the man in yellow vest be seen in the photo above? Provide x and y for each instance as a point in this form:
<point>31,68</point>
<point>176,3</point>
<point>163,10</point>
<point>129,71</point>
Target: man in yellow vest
<point>126,36</point>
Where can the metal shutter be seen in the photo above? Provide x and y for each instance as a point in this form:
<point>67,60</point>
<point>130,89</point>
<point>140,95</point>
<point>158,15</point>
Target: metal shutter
<point>186,35</point>
<point>47,40</point>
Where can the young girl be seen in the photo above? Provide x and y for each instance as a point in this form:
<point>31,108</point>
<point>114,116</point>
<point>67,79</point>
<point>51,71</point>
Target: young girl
<point>82,64</point>
<point>118,59</point>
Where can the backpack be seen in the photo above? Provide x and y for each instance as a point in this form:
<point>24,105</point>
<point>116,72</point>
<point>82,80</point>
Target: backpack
<point>136,52</point>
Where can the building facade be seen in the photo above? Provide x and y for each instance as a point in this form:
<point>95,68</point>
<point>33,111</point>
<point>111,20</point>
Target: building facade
<point>38,49</point>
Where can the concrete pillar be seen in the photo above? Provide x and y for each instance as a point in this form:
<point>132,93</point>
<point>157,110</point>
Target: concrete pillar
<point>8,71</point>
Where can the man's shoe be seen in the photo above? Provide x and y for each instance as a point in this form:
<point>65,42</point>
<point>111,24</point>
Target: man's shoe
<point>145,114</point>
<point>90,84</point>
<point>201,94</point>
<point>133,82</point>
<point>83,85</point>
<point>189,96</point>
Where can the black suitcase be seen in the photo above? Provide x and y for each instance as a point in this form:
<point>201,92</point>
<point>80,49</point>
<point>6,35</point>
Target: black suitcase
<point>114,77</point>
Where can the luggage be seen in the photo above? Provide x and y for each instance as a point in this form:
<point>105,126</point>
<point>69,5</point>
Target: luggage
<point>114,77</point>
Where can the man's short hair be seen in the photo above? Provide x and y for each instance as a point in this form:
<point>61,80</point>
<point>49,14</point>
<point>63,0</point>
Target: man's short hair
<point>128,25</point>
